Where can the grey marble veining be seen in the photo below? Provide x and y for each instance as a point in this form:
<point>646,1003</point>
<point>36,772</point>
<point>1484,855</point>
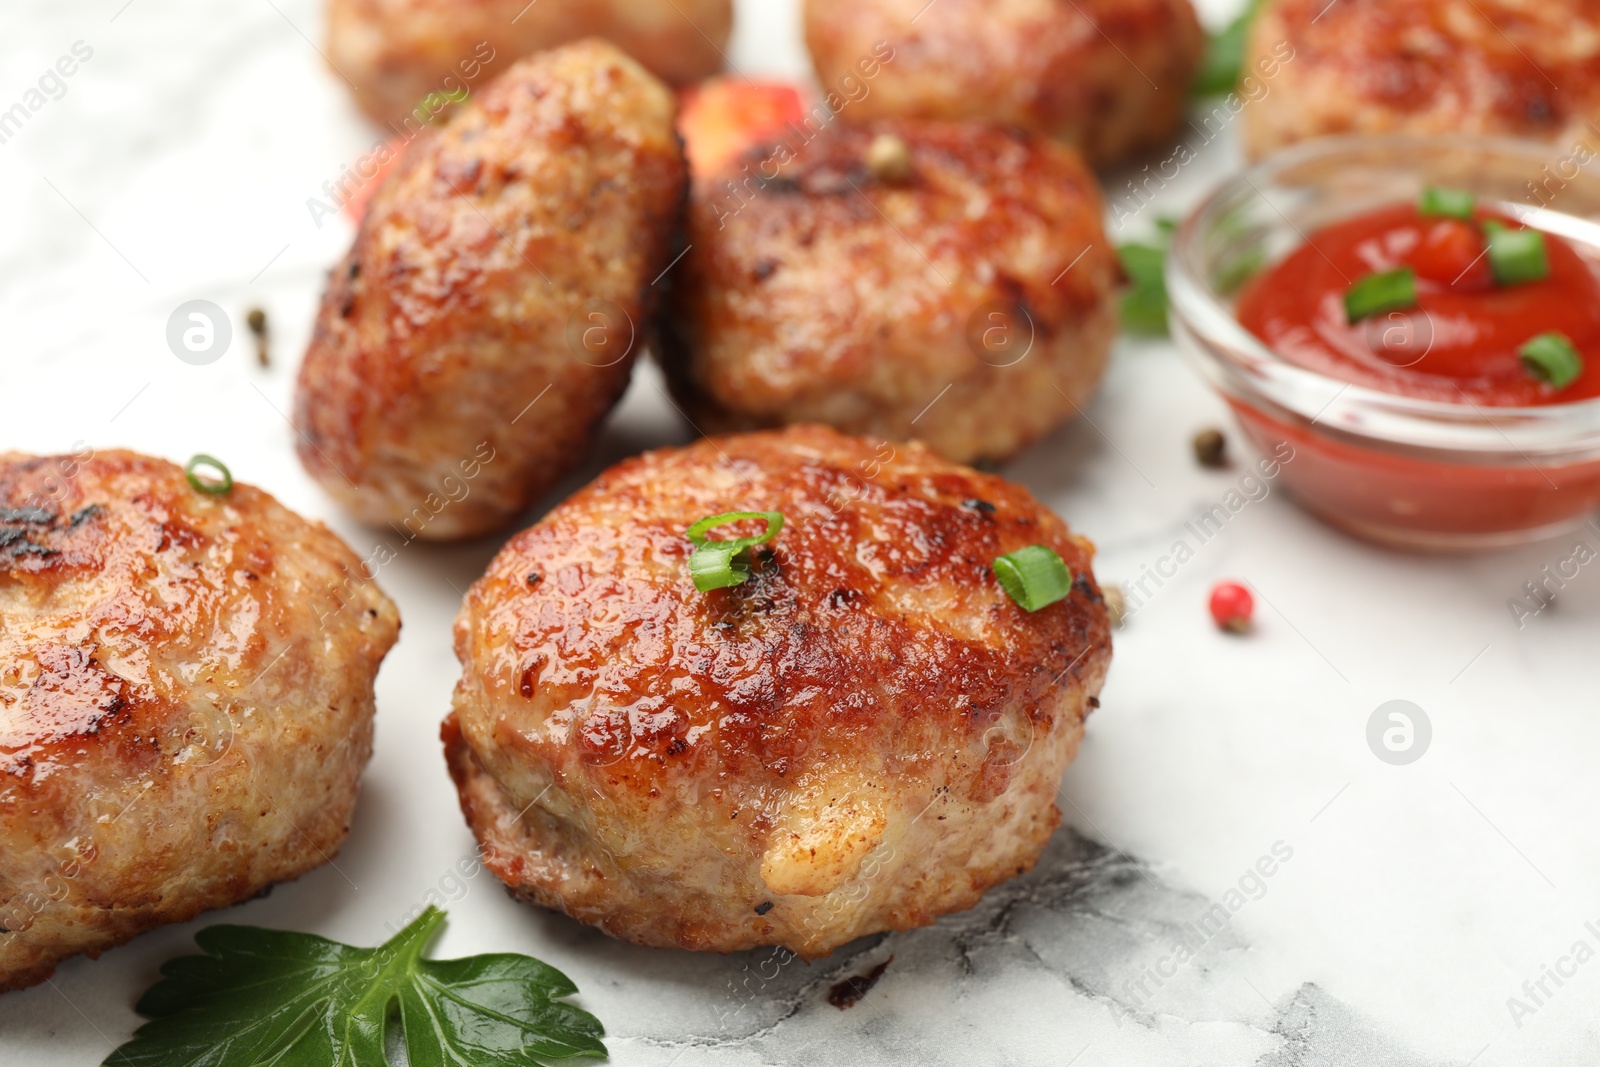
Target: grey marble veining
<point>1045,969</point>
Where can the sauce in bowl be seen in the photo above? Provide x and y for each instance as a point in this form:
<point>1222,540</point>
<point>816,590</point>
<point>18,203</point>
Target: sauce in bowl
<point>1416,335</point>
<point>1461,339</point>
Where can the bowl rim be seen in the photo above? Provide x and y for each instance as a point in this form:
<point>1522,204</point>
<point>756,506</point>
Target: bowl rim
<point>1229,349</point>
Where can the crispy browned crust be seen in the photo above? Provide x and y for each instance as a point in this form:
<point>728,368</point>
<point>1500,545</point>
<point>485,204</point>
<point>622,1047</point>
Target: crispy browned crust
<point>829,295</point>
<point>186,700</point>
<point>1111,77</point>
<point>395,52</point>
<point>449,350</point>
<point>1508,67</point>
<point>864,736</point>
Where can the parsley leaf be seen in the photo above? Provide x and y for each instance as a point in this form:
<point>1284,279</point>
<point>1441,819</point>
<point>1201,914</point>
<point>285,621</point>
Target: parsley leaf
<point>1224,57</point>
<point>1144,305</point>
<point>273,998</point>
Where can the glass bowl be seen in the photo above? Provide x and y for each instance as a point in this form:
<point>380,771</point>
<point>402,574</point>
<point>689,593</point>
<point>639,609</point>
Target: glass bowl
<point>1411,473</point>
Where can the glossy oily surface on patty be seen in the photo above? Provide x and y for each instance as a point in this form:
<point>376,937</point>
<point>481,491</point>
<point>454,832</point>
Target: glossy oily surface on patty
<point>1525,68</point>
<point>817,290</point>
<point>186,699</point>
<point>489,313</point>
<point>865,735</point>
<point>393,53</point>
<point>1110,77</point>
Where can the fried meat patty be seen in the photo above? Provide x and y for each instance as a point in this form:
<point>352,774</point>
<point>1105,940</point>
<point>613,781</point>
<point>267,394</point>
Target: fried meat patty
<point>396,52</point>
<point>489,313</point>
<point>865,735</point>
<point>186,700</point>
<point>968,302</point>
<point>1111,77</point>
<point>1525,68</point>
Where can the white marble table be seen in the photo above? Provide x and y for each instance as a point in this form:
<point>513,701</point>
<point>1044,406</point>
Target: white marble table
<point>1415,900</point>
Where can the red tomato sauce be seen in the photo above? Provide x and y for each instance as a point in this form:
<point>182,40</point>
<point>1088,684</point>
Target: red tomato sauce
<point>1460,343</point>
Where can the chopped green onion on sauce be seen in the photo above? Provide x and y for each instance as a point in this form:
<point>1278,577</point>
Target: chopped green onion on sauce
<point>721,564</point>
<point>1553,359</point>
<point>1447,203</point>
<point>1516,256</point>
<point>209,486</point>
<point>1392,290</point>
<point>1035,577</point>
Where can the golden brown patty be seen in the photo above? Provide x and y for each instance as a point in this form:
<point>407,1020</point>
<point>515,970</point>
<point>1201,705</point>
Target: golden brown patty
<point>864,736</point>
<point>489,314</point>
<point>968,303</point>
<point>396,52</point>
<point>1109,76</point>
<point>185,700</point>
<point>1528,68</point>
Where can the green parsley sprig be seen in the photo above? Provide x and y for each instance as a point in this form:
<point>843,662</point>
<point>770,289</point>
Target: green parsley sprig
<point>1223,63</point>
<point>1144,305</point>
<point>261,997</point>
